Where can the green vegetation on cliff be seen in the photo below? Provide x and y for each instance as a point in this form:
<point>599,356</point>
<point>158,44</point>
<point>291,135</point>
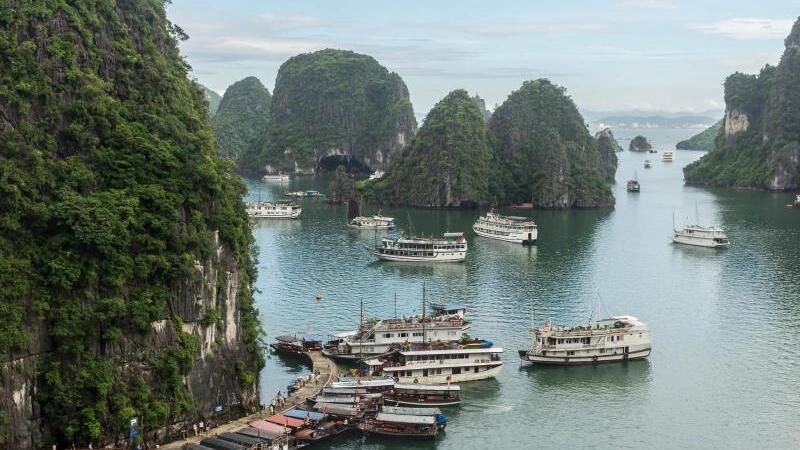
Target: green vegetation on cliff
<point>640,144</point>
<point>447,162</point>
<point>759,146</point>
<point>543,152</point>
<point>608,147</point>
<point>333,103</point>
<point>704,140</point>
<point>109,193</point>
<point>213,100</point>
<point>242,116</point>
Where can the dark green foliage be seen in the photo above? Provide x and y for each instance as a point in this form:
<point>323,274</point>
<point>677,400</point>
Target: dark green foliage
<point>703,140</point>
<point>242,116</point>
<point>543,152</point>
<point>640,144</point>
<point>766,153</point>
<point>608,147</point>
<point>109,191</point>
<point>332,100</point>
<point>213,100</point>
<point>447,163</point>
<point>342,187</point>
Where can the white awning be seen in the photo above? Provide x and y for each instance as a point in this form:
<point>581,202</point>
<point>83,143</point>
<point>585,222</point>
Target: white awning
<point>397,418</point>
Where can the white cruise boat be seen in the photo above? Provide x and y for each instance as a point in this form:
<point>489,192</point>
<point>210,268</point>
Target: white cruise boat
<point>520,230</point>
<point>440,364</point>
<point>451,248</point>
<point>375,338</point>
<point>378,222</point>
<point>269,210</point>
<point>713,237</point>
<point>276,178</point>
<point>620,338</point>
<point>668,156</point>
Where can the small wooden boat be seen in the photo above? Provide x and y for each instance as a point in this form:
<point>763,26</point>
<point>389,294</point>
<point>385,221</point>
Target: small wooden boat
<point>647,164</point>
<point>296,345</point>
<point>436,413</point>
<point>424,395</point>
<point>396,425</point>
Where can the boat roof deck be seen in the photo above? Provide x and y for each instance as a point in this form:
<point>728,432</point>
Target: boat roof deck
<point>429,387</point>
<point>399,418</point>
<point>453,351</point>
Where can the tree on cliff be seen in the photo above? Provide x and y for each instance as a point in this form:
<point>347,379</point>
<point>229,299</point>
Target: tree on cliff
<point>704,140</point>
<point>447,162</point>
<point>543,153</point>
<point>759,146</point>
<point>333,102</point>
<point>111,196</point>
<point>242,116</point>
<point>608,147</point>
<point>640,144</point>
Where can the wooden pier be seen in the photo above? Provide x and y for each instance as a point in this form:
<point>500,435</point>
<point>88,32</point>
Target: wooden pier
<point>327,373</point>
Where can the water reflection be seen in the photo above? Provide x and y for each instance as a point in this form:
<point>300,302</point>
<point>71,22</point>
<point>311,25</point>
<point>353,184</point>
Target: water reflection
<point>598,377</point>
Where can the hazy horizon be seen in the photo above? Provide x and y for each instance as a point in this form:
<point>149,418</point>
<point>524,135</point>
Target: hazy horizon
<point>613,55</point>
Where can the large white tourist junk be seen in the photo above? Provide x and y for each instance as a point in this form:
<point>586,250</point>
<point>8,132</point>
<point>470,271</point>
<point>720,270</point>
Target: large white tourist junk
<point>446,324</point>
<point>376,222</point>
<point>276,178</point>
<point>668,156</point>
<point>438,363</point>
<point>620,338</point>
<point>452,247</point>
<point>713,237</point>
<point>270,210</point>
<point>520,230</point>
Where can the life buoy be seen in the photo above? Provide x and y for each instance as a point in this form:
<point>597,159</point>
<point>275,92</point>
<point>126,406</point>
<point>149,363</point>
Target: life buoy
<point>594,358</point>
<point>416,381</point>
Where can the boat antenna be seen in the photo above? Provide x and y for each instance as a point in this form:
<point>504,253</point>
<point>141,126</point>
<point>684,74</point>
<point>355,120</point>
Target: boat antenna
<point>395,305</point>
<point>673,220</point>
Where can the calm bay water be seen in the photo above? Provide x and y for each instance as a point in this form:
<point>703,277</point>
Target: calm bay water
<point>725,369</point>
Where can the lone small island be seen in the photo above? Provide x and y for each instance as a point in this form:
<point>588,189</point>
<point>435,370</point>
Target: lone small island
<point>640,144</point>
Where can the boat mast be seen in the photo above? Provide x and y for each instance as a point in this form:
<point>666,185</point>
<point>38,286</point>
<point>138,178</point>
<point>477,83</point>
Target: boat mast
<point>361,329</point>
<point>395,305</point>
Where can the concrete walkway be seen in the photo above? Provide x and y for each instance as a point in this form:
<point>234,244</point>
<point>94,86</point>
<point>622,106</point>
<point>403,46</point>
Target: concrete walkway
<point>327,371</point>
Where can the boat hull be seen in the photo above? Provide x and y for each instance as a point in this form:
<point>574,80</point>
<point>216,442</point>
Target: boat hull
<point>293,215</point>
<point>582,360</point>
<point>698,242</point>
<point>437,258</point>
<point>524,239</point>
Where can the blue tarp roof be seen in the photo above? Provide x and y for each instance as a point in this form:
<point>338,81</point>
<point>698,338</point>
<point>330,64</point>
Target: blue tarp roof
<point>312,338</point>
<point>450,306</point>
<point>301,414</point>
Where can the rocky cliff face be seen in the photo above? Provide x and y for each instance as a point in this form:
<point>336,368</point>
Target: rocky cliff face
<point>608,147</point>
<point>447,163</point>
<point>760,145</point>
<point>543,152</point>
<point>640,144</point>
<point>242,116</point>
<point>213,100</point>
<point>125,263</point>
<point>706,139</point>
<point>334,103</point>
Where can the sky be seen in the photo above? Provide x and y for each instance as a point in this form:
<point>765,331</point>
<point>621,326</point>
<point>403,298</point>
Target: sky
<point>611,55</point>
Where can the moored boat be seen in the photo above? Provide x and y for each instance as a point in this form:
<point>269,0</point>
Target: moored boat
<point>305,194</point>
<point>647,164</point>
<point>447,324</point>
<point>276,178</point>
<point>294,344</point>
<point>700,236</point>
<point>405,426</point>
<point>377,222</point>
<point>633,186</point>
<point>440,364</point>
<point>620,338</point>
<point>424,395</point>
<point>270,210</point>
<point>452,247</point>
<point>520,230</point>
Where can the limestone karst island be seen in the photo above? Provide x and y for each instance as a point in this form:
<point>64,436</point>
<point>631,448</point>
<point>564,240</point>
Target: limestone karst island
<point>370,225</point>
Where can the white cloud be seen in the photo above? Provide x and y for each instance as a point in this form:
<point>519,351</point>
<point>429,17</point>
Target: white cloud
<point>511,28</point>
<point>649,4</point>
<point>291,22</point>
<point>748,28</point>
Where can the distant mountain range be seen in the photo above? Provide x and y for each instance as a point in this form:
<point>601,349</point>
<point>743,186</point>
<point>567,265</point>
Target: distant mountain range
<point>651,119</point>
